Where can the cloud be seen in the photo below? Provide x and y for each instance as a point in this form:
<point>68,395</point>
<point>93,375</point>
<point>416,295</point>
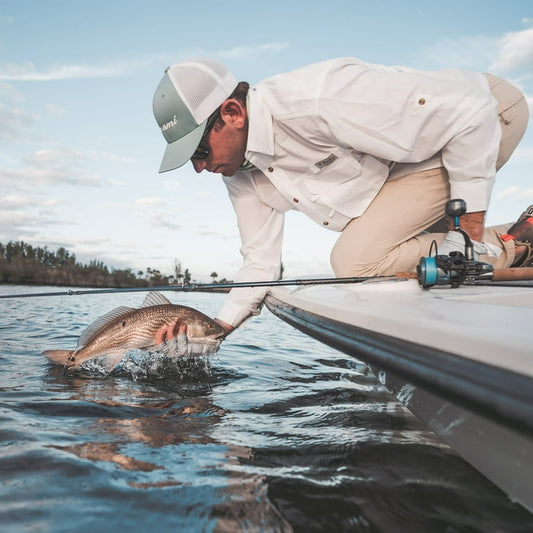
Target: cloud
<point>15,222</point>
<point>515,52</point>
<point>28,214</point>
<point>510,53</point>
<point>16,123</point>
<point>58,166</point>
<point>28,71</point>
<point>16,201</point>
<point>509,191</point>
<point>112,158</point>
<point>473,52</point>
<point>156,211</point>
<point>149,204</point>
<point>159,220</point>
<point>240,52</point>
<point>214,232</point>
<point>12,94</point>
<point>50,167</point>
<point>524,153</point>
<point>54,110</point>
<point>171,185</point>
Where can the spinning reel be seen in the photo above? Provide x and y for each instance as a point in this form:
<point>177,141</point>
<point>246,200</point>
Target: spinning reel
<point>456,268</point>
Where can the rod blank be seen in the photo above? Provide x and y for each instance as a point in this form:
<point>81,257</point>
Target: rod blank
<point>191,287</point>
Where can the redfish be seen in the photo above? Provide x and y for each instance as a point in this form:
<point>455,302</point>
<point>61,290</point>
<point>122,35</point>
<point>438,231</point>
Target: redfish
<point>127,328</point>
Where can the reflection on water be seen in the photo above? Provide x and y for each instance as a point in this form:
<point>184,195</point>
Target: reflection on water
<point>275,432</point>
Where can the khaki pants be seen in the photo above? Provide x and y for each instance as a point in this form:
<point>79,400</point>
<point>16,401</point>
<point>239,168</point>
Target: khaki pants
<point>387,238</point>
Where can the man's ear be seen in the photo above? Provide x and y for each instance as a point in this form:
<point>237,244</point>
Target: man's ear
<point>233,113</point>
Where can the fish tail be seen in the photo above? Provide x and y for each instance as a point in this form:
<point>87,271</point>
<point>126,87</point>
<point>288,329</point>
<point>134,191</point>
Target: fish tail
<point>58,357</point>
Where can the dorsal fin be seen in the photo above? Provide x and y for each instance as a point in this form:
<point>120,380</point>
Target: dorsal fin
<point>155,298</point>
<point>101,322</point>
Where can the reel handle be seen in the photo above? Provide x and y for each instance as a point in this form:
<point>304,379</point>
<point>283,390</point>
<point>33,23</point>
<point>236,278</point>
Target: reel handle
<point>456,208</point>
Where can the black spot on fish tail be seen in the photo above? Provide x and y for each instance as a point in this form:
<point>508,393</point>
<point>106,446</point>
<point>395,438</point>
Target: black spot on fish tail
<point>59,357</point>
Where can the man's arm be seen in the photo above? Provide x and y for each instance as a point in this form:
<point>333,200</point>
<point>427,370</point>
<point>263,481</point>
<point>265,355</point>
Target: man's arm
<point>473,224</point>
<point>228,328</point>
<point>261,232</point>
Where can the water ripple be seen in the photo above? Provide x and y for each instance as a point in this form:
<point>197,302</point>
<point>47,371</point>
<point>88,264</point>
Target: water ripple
<point>275,432</point>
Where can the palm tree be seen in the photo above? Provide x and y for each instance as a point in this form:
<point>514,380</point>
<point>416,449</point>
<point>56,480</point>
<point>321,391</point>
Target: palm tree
<point>178,272</point>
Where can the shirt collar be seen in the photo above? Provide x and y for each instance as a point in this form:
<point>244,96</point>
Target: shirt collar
<point>260,130</point>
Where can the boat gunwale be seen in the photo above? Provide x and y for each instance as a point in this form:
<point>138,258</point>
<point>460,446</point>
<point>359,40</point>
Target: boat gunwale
<point>498,394</point>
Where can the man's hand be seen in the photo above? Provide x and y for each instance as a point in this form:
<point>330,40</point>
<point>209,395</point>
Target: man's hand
<point>169,331</point>
<point>473,224</point>
<point>228,328</point>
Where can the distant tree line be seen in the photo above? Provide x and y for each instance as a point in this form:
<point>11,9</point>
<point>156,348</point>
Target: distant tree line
<point>183,277</point>
<point>23,263</point>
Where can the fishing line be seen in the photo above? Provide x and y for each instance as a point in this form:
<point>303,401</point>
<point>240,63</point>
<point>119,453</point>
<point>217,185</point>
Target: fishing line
<point>191,287</point>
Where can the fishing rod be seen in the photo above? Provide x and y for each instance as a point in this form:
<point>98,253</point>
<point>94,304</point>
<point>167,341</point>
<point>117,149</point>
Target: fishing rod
<point>426,279</point>
<point>454,269</point>
<point>191,287</point>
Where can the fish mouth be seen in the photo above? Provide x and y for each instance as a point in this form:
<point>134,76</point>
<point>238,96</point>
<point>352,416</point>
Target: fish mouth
<point>206,340</point>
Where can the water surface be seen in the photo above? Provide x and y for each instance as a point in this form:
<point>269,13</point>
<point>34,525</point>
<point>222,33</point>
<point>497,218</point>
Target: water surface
<point>275,432</point>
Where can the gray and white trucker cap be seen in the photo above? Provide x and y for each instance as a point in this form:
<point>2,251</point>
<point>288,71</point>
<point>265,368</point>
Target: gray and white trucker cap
<point>188,94</point>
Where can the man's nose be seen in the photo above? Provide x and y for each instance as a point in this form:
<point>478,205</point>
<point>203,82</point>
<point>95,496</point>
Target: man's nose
<point>199,164</point>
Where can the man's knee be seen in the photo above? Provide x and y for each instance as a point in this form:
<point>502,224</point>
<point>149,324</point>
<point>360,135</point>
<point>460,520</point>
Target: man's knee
<point>347,266</point>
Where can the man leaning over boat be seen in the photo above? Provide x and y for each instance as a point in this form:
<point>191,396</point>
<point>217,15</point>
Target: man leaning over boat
<point>370,151</point>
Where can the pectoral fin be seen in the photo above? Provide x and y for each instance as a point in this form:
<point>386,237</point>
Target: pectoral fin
<point>58,357</point>
<point>178,346</point>
<point>110,361</point>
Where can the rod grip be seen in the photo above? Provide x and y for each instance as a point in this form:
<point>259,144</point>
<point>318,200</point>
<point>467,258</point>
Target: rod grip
<point>512,274</point>
<point>406,275</point>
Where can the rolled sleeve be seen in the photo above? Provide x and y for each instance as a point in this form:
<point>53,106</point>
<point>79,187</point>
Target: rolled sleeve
<point>470,156</point>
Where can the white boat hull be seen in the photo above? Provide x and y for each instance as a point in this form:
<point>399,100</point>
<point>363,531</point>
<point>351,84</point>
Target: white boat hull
<point>459,359</point>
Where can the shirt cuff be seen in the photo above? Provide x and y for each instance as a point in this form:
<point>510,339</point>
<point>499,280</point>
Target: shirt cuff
<point>476,193</point>
<point>235,314</point>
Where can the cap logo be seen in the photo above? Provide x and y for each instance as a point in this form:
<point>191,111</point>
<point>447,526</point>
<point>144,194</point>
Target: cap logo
<point>170,124</point>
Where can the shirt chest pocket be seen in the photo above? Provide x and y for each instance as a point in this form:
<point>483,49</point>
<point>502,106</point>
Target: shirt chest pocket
<point>334,172</point>
<point>345,181</point>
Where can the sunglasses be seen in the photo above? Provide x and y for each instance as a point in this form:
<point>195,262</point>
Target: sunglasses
<point>202,152</point>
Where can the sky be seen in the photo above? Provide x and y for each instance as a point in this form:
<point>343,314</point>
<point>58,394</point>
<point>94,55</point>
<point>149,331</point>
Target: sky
<point>80,149</point>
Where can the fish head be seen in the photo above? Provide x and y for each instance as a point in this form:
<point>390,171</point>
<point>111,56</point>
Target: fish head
<point>194,334</point>
<point>201,328</point>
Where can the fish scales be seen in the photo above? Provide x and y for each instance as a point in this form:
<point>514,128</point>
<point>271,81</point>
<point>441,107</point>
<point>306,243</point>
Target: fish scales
<point>125,328</point>
<point>133,330</point>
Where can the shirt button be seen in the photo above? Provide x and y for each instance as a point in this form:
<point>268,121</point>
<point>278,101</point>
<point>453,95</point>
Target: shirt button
<point>270,169</point>
<point>295,200</point>
<point>326,223</point>
<point>422,101</point>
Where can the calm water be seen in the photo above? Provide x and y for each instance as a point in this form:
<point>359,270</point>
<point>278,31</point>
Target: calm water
<point>275,432</point>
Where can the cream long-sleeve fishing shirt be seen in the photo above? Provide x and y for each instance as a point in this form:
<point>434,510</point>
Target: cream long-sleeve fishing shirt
<point>324,139</point>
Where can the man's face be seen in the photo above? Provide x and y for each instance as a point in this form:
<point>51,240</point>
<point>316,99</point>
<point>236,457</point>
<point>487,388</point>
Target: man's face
<point>226,143</point>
